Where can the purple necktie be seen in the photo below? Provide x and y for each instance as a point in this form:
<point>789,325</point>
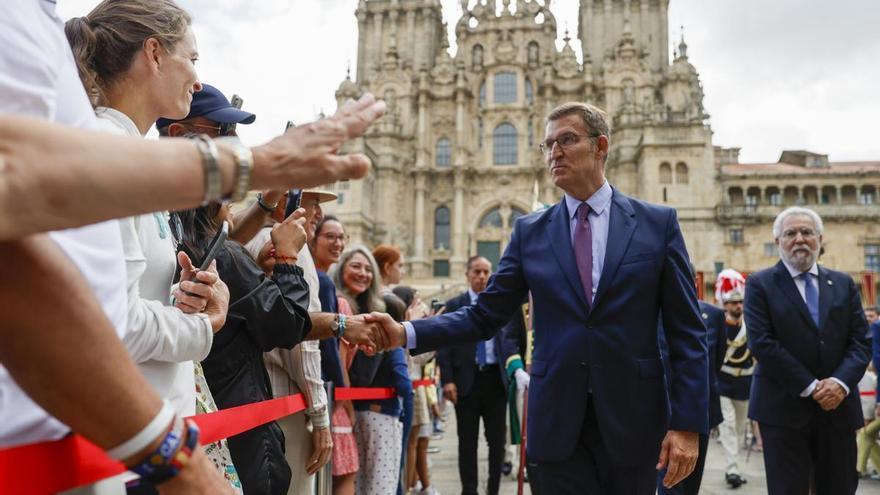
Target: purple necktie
<point>583,250</point>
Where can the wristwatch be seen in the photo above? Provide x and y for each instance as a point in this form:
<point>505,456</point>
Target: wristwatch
<point>266,207</point>
<point>337,326</point>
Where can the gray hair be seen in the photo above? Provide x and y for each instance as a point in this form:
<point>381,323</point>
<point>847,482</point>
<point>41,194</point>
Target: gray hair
<point>595,119</point>
<point>796,211</point>
<point>371,299</point>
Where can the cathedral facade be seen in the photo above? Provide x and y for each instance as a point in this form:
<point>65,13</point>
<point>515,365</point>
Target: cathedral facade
<point>456,157</point>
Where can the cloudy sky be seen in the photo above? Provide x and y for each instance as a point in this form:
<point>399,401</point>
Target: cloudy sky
<point>778,74</point>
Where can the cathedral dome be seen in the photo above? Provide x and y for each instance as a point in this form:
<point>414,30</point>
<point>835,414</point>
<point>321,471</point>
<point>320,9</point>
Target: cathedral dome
<point>348,89</point>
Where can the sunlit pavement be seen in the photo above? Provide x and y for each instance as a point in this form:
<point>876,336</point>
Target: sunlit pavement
<point>444,469</point>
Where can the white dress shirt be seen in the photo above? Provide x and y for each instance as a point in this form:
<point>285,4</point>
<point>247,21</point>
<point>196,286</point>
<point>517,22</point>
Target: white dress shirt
<point>800,284</point>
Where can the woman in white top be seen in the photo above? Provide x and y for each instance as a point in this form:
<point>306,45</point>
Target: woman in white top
<point>136,60</point>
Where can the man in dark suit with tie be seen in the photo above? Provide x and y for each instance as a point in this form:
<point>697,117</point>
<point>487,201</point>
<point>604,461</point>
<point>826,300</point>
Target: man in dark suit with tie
<point>474,380</point>
<point>808,332</point>
<point>601,268</point>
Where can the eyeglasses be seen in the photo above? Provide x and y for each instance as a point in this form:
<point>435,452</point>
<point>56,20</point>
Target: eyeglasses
<point>805,233</point>
<point>564,141</point>
<point>343,238</point>
<point>221,130</point>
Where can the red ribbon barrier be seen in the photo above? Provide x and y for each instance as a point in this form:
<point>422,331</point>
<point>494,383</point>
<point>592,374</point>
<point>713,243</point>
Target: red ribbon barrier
<point>426,382</point>
<point>50,467</point>
<point>867,393</point>
<point>364,393</point>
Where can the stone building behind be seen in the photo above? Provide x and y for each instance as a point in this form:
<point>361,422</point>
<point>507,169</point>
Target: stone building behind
<point>456,157</point>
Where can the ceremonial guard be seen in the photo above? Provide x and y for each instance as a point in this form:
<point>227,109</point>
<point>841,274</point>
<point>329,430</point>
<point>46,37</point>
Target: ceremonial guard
<point>735,376</point>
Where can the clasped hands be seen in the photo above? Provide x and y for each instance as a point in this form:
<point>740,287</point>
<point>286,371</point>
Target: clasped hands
<point>374,332</point>
<point>829,394</point>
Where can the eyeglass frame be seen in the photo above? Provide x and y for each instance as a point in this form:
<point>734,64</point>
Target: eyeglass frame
<point>344,238</point>
<point>805,233</point>
<point>223,129</point>
<point>547,149</point>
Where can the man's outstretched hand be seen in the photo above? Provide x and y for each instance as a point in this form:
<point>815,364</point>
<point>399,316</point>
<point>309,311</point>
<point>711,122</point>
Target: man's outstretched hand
<point>393,334</point>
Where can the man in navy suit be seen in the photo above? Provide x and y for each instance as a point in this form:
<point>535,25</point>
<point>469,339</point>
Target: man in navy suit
<point>601,268</point>
<point>474,380</point>
<point>807,330</point>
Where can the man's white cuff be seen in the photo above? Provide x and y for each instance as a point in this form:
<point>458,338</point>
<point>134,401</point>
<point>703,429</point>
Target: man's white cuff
<point>809,390</point>
<point>410,335</point>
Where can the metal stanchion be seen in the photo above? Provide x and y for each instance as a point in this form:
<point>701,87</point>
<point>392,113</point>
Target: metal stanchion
<point>324,476</point>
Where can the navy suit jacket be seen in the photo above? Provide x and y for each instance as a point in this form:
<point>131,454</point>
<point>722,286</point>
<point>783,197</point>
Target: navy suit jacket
<point>713,319</point>
<point>611,349</point>
<point>792,351</point>
<point>458,362</point>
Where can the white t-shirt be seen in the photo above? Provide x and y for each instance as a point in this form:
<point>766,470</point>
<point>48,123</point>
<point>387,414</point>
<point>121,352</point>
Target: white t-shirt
<point>38,77</point>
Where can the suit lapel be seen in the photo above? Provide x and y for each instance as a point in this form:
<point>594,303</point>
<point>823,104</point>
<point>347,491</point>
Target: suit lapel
<point>786,285</point>
<point>621,225</point>
<point>560,239</point>
<point>825,297</point>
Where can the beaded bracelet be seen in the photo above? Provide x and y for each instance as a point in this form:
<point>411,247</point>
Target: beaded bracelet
<point>180,459</point>
<point>157,461</point>
<point>340,330</point>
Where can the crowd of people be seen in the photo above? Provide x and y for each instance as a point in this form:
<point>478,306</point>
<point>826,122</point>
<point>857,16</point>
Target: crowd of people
<point>116,234</point>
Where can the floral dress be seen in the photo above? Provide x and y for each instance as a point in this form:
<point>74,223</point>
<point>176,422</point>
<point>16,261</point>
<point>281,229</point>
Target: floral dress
<point>218,452</point>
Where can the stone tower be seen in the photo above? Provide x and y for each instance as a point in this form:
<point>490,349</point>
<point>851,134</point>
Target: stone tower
<point>456,159</point>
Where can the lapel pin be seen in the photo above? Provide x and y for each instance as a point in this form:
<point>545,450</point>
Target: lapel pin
<point>705,316</point>
<point>830,282</point>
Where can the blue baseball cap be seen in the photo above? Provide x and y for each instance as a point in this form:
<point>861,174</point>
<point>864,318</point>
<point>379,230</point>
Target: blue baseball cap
<point>212,104</point>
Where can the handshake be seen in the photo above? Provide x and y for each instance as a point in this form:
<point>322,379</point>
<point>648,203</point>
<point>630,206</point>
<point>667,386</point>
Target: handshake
<point>374,332</point>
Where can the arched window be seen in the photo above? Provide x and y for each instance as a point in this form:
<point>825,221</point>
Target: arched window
<point>504,150</point>
<point>443,155</point>
<point>514,214</point>
<point>505,87</point>
<point>483,94</point>
<point>530,97</point>
<point>477,58</point>
<point>866,195</point>
<point>441,228</point>
<point>735,194</point>
<point>491,220</point>
<point>774,197</point>
<point>681,173</point>
<point>811,195</point>
<point>665,173</point>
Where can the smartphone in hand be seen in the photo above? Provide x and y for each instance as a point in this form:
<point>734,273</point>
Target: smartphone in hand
<point>294,199</point>
<point>214,248</point>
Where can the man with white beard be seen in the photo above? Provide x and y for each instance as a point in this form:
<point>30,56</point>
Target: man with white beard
<point>808,332</point>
